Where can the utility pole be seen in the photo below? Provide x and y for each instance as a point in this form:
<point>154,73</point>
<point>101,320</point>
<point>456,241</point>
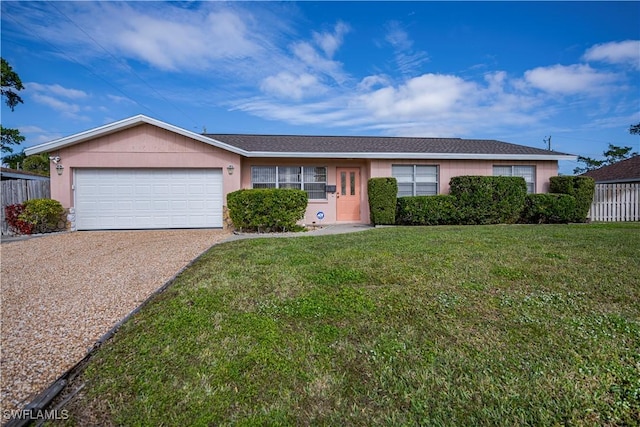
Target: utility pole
<point>547,141</point>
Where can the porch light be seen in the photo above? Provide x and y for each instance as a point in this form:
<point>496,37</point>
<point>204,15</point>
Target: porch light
<point>230,169</point>
<point>59,168</point>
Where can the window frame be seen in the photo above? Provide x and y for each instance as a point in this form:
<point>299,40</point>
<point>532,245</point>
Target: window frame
<point>414,182</point>
<point>531,185</point>
<point>303,172</point>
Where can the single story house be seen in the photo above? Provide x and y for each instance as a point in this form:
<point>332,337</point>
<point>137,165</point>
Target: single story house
<point>140,172</point>
<point>622,172</point>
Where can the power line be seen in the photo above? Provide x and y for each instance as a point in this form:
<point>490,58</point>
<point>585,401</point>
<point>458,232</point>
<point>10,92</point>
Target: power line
<point>84,66</point>
<point>120,61</point>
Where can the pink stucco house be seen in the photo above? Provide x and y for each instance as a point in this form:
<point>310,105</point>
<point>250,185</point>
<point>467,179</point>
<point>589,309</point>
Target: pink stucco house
<point>141,173</point>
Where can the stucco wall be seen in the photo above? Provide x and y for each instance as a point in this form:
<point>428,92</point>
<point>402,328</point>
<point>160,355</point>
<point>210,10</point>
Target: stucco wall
<point>143,146</point>
<point>328,206</point>
<point>450,168</point>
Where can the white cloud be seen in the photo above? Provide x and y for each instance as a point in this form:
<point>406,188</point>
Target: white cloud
<point>397,36</point>
<point>370,82</point>
<point>56,104</point>
<point>407,60</point>
<point>423,95</point>
<point>317,63</point>
<point>570,79</point>
<point>185,40</point>
<point>120,99</point>
<point>625,52</point>
<point>57,90</point>
<point>288,85</point>
<point>330,42</point>
<point>427,105</point>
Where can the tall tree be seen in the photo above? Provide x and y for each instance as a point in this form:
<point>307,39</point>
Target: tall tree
<point>634,129</point>
<point>10,84</point>
<point>613,155</point>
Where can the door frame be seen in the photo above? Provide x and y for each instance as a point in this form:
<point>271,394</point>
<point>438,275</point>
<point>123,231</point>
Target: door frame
<point>358,191</point>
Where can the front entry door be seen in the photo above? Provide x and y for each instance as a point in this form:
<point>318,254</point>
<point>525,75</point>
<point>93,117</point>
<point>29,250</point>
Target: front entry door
<point>348,194</point>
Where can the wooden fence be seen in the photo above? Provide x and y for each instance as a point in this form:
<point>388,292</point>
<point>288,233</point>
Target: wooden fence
<point>616,202</point>
<point>18,190</point>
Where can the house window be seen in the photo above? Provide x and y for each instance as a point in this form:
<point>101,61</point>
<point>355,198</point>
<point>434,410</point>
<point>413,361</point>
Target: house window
<point>311,179</point>
<point>416,180</point>
<point>527,172</point>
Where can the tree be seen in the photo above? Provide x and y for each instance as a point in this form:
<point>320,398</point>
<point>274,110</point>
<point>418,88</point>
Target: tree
<point>613,155</point>
<point>15,160</point>
<point>634,129</point>
<point>10,84</point>
<point>37,163</point>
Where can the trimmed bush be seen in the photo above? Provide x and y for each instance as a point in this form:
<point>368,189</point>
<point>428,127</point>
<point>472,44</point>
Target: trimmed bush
<point>548,209</point>
<point>427,210</point>
<point>383,193</point>
<point>489,199</point>
<point>581,187</point>
<point>16,225</point>
<point>267,210</point>
<point>36,216</point>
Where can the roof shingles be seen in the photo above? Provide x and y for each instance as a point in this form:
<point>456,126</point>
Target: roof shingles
<point>370,144</point>
<point>624,171</point>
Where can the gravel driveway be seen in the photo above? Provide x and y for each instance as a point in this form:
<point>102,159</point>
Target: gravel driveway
<point>61,293</point>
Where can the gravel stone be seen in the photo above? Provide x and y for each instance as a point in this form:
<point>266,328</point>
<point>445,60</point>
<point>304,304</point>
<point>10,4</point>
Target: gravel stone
<point>60,293</point>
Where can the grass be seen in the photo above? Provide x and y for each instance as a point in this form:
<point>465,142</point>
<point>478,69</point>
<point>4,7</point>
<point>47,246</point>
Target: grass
<point>475,325</point>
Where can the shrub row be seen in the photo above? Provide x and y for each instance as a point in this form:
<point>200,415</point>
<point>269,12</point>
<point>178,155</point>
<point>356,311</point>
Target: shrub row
<point>427,210</point>
<point>496,200</point>
<point>488,199</point>
<point>382,193</point>
<point>35,216</point>
<point>582,188</point>
<point>548,209</point>
<point>267,210</point>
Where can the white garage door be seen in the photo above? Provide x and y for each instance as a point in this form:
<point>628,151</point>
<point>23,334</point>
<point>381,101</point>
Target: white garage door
<point>121,199</point>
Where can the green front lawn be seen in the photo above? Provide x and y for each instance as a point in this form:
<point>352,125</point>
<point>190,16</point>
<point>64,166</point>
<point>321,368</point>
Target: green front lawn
<point>470,325</point>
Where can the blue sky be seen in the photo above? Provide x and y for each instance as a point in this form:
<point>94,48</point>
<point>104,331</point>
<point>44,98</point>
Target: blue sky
<point>512,71</point>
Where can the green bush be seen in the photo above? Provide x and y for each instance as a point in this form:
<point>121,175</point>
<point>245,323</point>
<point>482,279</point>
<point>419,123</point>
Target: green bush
<point>427,210</point>
<point>44,215</point>
<point>382,193</point>
<point>580,187</point>
<point>489,199</point>
<point>267,210</point>
<point>548,209</point>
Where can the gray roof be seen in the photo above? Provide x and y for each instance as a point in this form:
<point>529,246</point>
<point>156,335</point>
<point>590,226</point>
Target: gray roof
<point>338,147</point>
<point>374,144</point>
<point>623,171</point>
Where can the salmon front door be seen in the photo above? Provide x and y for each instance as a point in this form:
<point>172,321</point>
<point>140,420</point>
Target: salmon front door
<point>348,194</point>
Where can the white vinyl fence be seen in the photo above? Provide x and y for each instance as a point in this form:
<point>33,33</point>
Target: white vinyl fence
<point>616,202</point>
<point>18,190</point>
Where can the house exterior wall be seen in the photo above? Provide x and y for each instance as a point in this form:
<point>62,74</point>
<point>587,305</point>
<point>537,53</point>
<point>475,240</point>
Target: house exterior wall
<point>149,146</point>
<point>447,169</point>
<point>328,206</point>
<point>143,146</point>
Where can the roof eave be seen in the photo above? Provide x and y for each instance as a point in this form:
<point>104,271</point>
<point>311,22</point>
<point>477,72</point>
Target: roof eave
<point>422,156</point>
<point>122,125</point>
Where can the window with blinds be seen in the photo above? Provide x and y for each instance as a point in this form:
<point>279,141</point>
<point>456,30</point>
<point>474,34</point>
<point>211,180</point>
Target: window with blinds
<point>311,179</point>
<point>416,180</point>
<point>527,172</point>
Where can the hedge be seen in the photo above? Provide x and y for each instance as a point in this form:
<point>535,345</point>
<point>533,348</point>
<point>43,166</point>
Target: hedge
<point>382,193</point>
<point>548,209</point>
<point>265,210</point>
<point>427,210</point>
<point>36,216</point>
<point>489,199</point>
<point>581,187</point>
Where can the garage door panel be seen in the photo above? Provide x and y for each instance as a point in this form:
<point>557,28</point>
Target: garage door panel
<point>148,198</point>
